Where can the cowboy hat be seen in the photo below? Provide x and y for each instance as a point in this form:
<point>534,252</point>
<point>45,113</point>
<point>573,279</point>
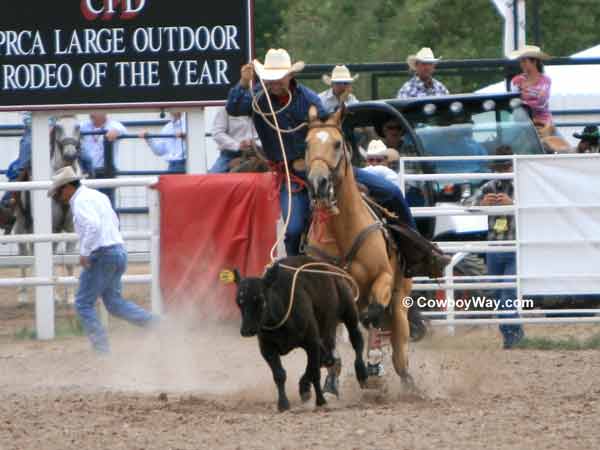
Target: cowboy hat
<point>339,74</point>
<point>277,65</point>
<point>377,149</point>
<point>529,51</point>
<point>589,134</point>
<point>62,176</point>
<point>425,55</point>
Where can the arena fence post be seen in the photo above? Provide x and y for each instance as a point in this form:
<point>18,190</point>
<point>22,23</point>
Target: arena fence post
<point>154,212</point>
<point>196,142</point>
<point>42,224</point>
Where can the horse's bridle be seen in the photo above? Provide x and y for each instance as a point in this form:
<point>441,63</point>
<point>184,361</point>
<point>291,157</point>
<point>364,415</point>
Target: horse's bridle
<point>333,170</point>
<point>64,142</point>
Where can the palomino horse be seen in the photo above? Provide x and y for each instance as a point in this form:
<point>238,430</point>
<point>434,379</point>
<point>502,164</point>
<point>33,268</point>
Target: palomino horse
<point>65,151</point>
<point>345,228</point>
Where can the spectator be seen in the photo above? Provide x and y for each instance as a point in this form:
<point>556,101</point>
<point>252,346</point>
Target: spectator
<point>92,146</point>
<point>534,86</point>
<point>17,171</point>
<point>377,160</point>
<point>589,140</point>
<point>172,149</point>
<point>341,89</point>
<point>422,84</point>
<point>103,257</point>
<point>234,136</point>
<point>501,192</point>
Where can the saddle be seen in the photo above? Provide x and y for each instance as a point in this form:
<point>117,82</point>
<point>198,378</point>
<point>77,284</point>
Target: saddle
<point>250,161</point>
<point>419,256</point>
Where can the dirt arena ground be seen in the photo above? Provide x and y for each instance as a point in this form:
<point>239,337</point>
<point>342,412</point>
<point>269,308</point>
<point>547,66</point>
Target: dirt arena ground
<point>201,386</point>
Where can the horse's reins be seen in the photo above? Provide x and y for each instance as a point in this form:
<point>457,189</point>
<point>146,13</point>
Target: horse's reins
<point>304,268</point>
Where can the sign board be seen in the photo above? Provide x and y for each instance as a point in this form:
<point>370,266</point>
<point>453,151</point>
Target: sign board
<point>74,54</point>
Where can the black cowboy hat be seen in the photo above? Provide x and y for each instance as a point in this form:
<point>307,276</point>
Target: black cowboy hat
<point>590,134</point>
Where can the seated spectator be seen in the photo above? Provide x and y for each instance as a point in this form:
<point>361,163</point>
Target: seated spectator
<point>422,84</point>
<point>172,149</point>
<point>92,146</point>
<point>341,89</point>
<point>534,86</point>
<point>234,135</point>
<point>377,160</point>
<point>501,192</point>
<point>588,140</point>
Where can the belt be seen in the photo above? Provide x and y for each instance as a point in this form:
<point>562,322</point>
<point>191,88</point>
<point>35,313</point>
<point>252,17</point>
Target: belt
<point>106,248</point>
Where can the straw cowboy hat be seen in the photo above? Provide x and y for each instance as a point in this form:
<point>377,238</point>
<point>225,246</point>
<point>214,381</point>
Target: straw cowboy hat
<point>62,176</point>
<point>277,65</point>
<point>339,74</point>
<point>529,51</point>
<point>377,149</point>
<point>425,55</point>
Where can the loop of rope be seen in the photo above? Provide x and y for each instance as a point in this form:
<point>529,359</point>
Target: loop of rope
<point>257,110</point>
<point>337,271</point>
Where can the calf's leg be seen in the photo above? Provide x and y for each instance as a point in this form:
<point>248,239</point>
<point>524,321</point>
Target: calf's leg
<point>273,359</point>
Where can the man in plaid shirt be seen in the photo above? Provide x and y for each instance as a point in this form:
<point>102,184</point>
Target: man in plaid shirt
<point>498,193</point>
<point>422,84</point>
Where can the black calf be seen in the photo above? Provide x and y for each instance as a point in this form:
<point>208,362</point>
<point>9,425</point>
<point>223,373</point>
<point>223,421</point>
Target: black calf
<point>320,302</point>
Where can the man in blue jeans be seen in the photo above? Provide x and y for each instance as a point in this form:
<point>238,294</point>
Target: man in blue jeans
<point>293,101</point>
<point>103,257</point>
<point>498,193</point>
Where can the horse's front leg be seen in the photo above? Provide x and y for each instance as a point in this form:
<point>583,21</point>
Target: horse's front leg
<point>401,331</point>
<point>379,299</point>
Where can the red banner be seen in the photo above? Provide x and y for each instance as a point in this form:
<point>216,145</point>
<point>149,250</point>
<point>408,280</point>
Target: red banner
<point>209,223</point>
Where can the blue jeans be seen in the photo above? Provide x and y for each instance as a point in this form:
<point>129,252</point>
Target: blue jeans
<point>505,264</point>
<point>103,279</point>
<point>221,165</point>
<point>387,194</point>
<point>299,217</point>
<point>177,166</point>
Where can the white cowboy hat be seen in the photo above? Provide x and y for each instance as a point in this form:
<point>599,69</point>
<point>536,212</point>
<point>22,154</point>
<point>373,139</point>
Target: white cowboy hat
<point>529,51</point>
<point>377,148</point>
<point>339,74</point>
<point>277,65</point>
<point>62,176</point>
<point>425,55</point>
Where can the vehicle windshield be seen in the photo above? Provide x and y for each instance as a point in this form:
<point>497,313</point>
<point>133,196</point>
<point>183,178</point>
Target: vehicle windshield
<point>473,132</point>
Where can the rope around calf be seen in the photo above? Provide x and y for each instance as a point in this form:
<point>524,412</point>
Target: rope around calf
<point>337,271</point>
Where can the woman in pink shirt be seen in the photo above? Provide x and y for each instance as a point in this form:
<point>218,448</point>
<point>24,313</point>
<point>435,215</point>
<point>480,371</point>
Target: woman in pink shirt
<point>533,85</point>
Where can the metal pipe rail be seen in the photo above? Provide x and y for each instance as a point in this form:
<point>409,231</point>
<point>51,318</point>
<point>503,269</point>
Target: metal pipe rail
<point>65,281</point>
<point>66,237</point>
<point>534,312</point>
<point>99,183</point>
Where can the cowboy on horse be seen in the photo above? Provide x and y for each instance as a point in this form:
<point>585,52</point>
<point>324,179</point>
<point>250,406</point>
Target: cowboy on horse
<point>292,100</point>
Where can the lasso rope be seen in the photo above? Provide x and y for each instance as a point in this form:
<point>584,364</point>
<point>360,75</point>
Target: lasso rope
<point>337,271</point>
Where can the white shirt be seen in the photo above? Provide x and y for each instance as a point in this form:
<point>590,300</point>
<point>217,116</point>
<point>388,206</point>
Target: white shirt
<point>331,102</point>
<point>172,149</point>
<point>386,173</point>
<point>94,145</point>
<point>95,221</point>
<point>228,131</point>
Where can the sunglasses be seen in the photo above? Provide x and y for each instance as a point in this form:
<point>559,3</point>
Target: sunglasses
<point>393,127</point>
<point>341,83</point>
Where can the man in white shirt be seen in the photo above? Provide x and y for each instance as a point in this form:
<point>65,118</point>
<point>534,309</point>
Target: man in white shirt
<point>341,89</point>
<point>172,149</point>
<point>233,135</point>
<point>103,257</point>
<point>92,146</point>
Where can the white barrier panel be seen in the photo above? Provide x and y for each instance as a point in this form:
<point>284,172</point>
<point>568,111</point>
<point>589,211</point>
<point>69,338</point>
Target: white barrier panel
<point>558,225</point>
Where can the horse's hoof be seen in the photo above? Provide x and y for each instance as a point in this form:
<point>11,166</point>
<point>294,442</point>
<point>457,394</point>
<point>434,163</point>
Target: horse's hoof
<point>361,374</point>
<point>305,396</point>
<point>321,400</point>
<point>331,385</point>
<point>373,315</point>
<point>417,331</point>
<point>283,405</point>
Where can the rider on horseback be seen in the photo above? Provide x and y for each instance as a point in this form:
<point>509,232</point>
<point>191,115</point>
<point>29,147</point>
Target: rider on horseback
<point>291,101</point>
<point>17,171</point>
